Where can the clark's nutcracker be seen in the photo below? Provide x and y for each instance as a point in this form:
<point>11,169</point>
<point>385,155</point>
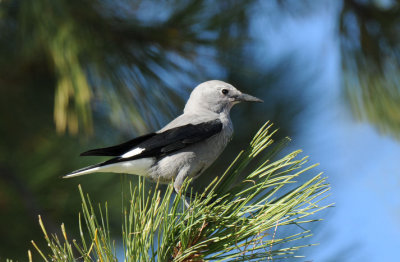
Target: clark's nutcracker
<point>185,147</point>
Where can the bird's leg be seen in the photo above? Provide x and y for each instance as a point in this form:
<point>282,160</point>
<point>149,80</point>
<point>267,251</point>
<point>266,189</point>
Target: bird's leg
<point>177,188</point>
<point>190,195</point>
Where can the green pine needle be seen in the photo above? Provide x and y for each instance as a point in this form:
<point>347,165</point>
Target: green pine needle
<point>239,216</point>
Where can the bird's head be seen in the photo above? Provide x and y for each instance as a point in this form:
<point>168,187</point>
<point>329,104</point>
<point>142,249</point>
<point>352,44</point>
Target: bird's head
<point>216,96</point>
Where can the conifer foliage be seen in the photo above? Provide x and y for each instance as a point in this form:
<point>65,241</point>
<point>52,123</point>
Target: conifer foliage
<point>241,216</point>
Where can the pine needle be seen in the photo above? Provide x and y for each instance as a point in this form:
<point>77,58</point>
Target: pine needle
<point>239,216</point>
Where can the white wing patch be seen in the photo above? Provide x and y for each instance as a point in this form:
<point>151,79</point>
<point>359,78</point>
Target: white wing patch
<point>133,152</point>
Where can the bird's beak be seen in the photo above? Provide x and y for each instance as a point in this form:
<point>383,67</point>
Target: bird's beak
<point>247,98</point>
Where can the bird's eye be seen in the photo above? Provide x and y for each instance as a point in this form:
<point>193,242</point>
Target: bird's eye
<point>225,91</point>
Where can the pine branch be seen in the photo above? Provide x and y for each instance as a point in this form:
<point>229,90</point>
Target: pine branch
<point>231,219</point>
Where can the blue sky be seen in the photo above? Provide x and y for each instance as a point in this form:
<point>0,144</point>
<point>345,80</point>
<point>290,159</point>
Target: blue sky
<point>362,165</point>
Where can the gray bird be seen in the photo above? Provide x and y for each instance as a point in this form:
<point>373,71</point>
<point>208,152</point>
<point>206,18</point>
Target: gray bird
<point>185,147</point>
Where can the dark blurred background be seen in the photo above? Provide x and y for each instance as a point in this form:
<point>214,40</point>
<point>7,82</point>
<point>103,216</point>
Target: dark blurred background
<point>75,75</point>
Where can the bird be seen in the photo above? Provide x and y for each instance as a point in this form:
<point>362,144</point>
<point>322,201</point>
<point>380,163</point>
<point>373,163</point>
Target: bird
<point>185,147</point>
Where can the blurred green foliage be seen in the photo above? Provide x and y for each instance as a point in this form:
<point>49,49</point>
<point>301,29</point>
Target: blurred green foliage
<point>371,59</point>
<point>368,33</point>
<point>94,54</point>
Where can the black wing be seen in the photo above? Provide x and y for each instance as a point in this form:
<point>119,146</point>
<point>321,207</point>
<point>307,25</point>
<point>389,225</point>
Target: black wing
<point>177,138</point>
<point>118,149</point>
<point>160,144</point>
